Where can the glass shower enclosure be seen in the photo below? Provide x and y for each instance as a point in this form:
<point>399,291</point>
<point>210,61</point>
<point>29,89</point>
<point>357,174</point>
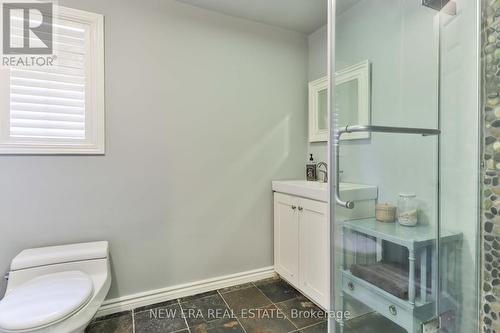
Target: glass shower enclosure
<point>404,125</point>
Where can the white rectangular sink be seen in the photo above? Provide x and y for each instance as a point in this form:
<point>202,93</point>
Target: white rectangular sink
<point>319,191</point>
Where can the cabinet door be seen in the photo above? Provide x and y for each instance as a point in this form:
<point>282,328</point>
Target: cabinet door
<point>314,250</point>
<point>286,238</point>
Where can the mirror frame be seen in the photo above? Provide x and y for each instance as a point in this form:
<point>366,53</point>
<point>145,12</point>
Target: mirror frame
<point>361,73</point>
<point>316,134</point>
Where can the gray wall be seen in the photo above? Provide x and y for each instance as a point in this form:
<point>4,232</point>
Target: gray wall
<point>318,67</point>
<point>459,178</point>
<point>397,37</point>
<point>203,111</point>
<point>318,53</point>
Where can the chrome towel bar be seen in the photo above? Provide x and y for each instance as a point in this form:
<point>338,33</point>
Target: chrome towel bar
<point>371,129</point>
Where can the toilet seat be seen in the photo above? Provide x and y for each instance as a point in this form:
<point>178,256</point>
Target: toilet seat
<point>45,300</point>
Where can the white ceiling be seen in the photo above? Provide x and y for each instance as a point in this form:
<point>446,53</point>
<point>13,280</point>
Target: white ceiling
<point>304,16</point>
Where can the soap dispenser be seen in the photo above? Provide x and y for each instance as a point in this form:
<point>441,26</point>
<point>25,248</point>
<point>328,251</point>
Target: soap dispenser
<point>311,169</point>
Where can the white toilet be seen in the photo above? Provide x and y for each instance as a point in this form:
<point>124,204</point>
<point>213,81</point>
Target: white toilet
<point>56,289</point>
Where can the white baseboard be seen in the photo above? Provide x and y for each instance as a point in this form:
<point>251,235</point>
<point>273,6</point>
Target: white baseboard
<point>182,290</point>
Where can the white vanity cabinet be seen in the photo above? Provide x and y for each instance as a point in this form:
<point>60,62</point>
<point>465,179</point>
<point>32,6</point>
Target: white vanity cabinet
<point>301,238</point>
<point>314,239</point>
<point>302,233</point>
<point>286,237</point>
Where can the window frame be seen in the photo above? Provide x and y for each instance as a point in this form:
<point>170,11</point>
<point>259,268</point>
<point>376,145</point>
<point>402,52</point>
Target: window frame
<point>94,143</point>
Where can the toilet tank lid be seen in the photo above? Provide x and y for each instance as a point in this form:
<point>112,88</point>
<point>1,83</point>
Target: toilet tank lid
<point>59,254</point>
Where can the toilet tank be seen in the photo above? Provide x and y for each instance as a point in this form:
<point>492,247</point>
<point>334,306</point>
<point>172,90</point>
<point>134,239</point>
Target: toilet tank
<point>90,258</point>
<point>60,254</point>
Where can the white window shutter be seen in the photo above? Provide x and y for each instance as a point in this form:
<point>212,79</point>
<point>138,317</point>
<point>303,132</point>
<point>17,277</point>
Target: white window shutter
<point>59,109</point>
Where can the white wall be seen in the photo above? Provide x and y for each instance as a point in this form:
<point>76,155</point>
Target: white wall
<point>203,111</point>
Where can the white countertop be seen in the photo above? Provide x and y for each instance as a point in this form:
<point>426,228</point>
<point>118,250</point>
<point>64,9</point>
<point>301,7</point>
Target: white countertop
<point>319,191</point>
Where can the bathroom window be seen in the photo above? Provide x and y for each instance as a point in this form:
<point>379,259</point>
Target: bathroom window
<point>54,103</point>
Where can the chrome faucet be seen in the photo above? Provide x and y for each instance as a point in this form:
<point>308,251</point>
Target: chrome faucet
<point>325,172</point>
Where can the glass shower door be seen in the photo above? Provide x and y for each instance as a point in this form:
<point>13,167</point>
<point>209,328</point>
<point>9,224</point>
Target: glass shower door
<point>402,237</point>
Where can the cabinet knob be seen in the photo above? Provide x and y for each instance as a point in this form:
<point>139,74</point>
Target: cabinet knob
<point>294,207</point>
<point>393,310</point>
<point>300,208</point>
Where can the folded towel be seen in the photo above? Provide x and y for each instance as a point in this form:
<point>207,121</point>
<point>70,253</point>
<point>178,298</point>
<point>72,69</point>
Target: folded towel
<point>387,276</point>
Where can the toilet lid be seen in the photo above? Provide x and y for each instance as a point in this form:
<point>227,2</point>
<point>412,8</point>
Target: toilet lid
<point>45,300</point>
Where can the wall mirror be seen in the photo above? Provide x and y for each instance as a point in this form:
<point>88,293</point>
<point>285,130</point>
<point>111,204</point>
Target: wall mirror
<point>353,102</point>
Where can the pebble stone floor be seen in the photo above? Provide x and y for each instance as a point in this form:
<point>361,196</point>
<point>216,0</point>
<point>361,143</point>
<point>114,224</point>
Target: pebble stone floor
<point>272,301</point>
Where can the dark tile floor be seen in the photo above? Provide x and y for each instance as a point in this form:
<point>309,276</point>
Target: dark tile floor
<point>267,306</point>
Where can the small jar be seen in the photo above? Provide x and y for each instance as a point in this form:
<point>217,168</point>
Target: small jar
<point>385,213</point>
<point>407,209</point>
